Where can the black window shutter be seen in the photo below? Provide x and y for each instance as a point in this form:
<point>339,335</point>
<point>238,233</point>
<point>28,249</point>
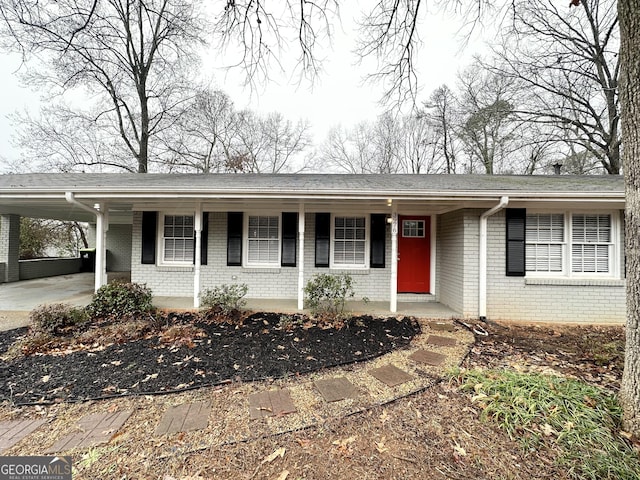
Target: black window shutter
<point>378,244</point>
<point>323,239</point>
<point>516,220</point>
<point>204,240</point>
<point>149,230</point>
<point>234,239</point>
<point>289,238</point>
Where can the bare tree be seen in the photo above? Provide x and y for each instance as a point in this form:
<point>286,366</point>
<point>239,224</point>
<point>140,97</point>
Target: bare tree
<point>441,111</point>
<point>567,59</point>
<point>629,13</point>
<point>489,125</point>
<point>66,140</point>
<point>132,54</point>
<point>201,139</point>
<point>388,145</point>
<point>270,144</point>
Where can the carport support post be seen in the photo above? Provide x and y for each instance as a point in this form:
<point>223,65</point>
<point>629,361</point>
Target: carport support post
<point>10,247</point>
<point>102,226</point>
<point>197,225</point>
<point>301,257</point>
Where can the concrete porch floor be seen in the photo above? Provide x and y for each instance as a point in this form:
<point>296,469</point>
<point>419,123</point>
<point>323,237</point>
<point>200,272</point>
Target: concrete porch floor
<point>17,299</point>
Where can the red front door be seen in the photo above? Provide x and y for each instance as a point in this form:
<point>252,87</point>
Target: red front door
<point>414,251</point>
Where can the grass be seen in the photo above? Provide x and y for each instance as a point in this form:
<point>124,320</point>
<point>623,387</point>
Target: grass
<point>581,422</point>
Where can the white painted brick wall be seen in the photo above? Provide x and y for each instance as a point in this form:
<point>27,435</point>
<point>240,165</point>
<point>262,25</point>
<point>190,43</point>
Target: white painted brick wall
<point>517,298</point>
<point>281,282</point>
<point>10,247</point>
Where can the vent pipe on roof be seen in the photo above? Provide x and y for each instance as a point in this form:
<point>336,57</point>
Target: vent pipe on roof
<point>556,168</point>
<point>482,282</point>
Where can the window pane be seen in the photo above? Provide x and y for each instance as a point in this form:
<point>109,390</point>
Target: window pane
<point>349,240</point>
<point>545,238</point>
<point>178,238</point>
<point>590,249</point>
<point>264,240</point>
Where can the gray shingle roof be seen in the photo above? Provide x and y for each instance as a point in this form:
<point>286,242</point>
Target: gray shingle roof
<point>354,185</point>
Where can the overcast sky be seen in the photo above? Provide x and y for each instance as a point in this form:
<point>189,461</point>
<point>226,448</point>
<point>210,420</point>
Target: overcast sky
<point>337,96</point>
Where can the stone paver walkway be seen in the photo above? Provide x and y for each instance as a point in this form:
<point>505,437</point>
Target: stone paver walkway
<point>272,403</point>
<point>296,402</point>
<point>92,430</point>
<point>12,431</point>
<point>391,375</point>
<point>184,418</point>
<point>335,389</point>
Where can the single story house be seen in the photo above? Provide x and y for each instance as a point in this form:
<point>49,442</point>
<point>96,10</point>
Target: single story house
<point>534,248</point>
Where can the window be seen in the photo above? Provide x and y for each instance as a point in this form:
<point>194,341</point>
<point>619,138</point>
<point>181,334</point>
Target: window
<point>263,240</point>
<point>591,243</point>
<point>413,228</point>
<point>177,239</point>
<point>349,241</point>
<point>545,242</point>
<point>569,244</point>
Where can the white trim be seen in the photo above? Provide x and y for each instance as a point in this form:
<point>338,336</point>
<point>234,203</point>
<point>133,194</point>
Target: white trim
<point>300,260</point>
<point>433,253</point>
<point>367,240</point>
<point>393,302</point>
<point>197,231</point>
<point>245,239</point>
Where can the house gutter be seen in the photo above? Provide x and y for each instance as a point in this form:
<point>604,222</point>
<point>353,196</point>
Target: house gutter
<point>482,268</point>
<point>101,229</point>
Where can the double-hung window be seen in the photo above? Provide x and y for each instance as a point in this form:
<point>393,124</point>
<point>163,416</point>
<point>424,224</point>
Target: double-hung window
<point>263,240</point>
<point>545,242</point>
<point>349,242</point>
<point>591,243</point>
<point>177,239</point>
<point>570,244</point>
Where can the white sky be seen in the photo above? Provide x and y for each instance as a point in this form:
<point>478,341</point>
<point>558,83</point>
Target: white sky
<point>338,95</point>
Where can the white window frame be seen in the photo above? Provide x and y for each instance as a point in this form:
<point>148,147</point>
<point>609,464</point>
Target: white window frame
<point>356,266</point>
<point>245,240</point>
<point>161,238</point>
<point>567,246</point>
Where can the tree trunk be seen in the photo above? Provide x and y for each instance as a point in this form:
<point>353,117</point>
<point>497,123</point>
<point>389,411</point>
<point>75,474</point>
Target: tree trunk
<point>629,14</point>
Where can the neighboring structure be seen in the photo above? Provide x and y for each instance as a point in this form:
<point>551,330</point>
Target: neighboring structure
<point>504,247</point>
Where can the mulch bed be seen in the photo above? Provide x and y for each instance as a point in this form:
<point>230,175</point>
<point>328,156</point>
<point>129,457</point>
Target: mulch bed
<point>258,348</point>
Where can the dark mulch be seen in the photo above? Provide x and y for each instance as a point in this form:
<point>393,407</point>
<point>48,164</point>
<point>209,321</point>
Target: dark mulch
<point>256,349</point>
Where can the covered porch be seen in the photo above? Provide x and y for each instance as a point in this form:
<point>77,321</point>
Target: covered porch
<point>19,298</point>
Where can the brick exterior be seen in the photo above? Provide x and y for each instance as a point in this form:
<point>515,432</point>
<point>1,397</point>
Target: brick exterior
<point>547,300</point>
<point>280,282</point>
<point>10,247</point>
<point>457,275</point>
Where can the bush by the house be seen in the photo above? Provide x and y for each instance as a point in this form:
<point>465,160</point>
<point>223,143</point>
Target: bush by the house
<point>224,298</point>
<point>120,298</point>
<point>326,294</point>
<point>56,317</point>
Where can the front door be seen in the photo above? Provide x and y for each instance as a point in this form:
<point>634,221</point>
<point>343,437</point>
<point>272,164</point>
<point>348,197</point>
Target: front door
<point>414,251</point>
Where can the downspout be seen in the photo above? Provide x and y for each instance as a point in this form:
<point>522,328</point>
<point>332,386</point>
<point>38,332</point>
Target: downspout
<point>100,279</point>
<point>482,268</point>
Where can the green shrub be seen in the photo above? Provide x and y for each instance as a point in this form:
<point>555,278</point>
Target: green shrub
<point>56,317</point>
<point>120,298</point>
<point>224,298</point>
<point>326,294</point>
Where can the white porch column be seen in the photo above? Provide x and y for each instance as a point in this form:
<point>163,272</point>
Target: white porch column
<point>393,290</point>
<point>301,225</point>
<point>197,225</point>
<point>102,226</point>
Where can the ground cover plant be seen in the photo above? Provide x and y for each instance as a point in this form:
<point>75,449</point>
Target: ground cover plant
<point>581,421</point>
